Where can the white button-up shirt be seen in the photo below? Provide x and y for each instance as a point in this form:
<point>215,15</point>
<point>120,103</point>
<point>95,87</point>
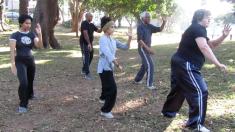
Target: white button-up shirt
<point>107,52</point>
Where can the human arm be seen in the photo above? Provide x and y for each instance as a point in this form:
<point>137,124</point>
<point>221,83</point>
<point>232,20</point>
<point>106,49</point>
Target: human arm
<point>215,43</point>
<point>207,52</point>
<point>12,45</point>
<point>38,40</point>
<point>125,46</point>
<point>140,38</point>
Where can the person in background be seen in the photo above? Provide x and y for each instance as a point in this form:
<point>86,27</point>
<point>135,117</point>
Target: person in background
<point>22,60</point>
<point>86,44</point>
<point>106,63</point>
<point>186,79</point>
<point>144,34</point>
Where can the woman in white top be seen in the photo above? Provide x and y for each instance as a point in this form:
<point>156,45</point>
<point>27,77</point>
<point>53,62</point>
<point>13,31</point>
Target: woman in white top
<point>107,61</point>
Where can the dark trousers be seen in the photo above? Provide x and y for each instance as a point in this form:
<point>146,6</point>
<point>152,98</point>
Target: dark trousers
<point>186,83</point>
<point>25,72</point>
<point>87,57</point>
<point>109,90</point>
<point>146,67</point>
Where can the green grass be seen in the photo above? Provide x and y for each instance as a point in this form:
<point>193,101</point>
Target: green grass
<point>58,80</point>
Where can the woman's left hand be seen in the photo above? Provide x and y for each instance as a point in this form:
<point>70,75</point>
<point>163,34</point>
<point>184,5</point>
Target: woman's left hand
<point>38,29</point>
<point>226,30</point>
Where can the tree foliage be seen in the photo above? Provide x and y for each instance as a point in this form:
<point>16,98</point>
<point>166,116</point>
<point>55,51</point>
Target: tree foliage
<point>119,8</point>
<point>227,18</point>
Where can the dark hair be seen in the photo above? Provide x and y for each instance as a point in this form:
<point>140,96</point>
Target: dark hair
<point>200,14</point>
<point>23,18</point>
<point>105,20</point>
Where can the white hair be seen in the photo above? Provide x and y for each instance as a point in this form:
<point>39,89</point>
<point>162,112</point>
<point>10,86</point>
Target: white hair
<point>144,14</point>
<point>88,14</point>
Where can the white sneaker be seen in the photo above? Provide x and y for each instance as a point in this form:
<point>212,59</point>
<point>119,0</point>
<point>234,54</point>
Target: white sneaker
<point>102,101</point>
<point>83,73</point>
<point>140,82</point>
<point>22,110</point>
<point>151,87</point>
<point>88,77</point>
<point>108,115</point>
<point>201,128</point>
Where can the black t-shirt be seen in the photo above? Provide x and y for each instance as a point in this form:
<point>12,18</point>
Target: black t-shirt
<point>24,43</point>
<point>90,27</point>
<point>188,48</point>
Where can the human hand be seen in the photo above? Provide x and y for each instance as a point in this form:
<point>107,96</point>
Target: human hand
<point>38,29</point>
<point>89,47</point>
<point>226,30</point>
<point>13,69</point>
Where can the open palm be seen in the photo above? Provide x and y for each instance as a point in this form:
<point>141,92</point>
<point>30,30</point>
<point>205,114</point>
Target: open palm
<point>226,30</point>
<point>38,29</point>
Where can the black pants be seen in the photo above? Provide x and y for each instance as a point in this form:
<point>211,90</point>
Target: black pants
<point>87,57</point>
<point>109,90</point>
<point>187,83</point>
<point>25,72</point>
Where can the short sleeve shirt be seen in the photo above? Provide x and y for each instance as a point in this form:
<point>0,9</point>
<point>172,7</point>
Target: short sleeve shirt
<point>24,42</point>
<point>188,47</point>
<point>90,27</point>
<point>144,32</point>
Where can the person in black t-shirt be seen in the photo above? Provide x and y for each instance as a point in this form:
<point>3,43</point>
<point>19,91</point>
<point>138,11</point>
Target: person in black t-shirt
<point>86,44</point>
<point>186,79</point>
<point>22,60</point>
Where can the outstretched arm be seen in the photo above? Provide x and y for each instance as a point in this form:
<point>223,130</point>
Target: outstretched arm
<point>207,52</point>
<point>125,46</point>
<point>215,43</point>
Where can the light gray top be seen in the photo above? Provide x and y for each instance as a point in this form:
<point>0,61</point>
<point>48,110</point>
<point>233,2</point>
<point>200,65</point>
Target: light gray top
<point>107,52</point>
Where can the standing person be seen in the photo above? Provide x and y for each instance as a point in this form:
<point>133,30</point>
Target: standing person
<point>186,79</point>
<point>22,60</point>
<point>106,63</point>
<point>144,34</point>
<point>86,44</point>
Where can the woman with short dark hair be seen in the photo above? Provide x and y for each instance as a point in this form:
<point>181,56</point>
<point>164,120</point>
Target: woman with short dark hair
<point>186,79</point>
<point>22,60</point>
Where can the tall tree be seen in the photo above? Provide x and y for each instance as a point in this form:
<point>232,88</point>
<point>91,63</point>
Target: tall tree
<point>47,14</point>
<point>77,8</point>
<point>23,7</point>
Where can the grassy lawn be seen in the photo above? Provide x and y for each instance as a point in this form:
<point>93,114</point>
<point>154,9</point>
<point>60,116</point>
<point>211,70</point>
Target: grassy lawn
<point>67,102</point>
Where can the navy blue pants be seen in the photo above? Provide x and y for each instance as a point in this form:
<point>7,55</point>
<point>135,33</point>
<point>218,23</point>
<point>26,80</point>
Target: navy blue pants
<point>146,67</point>
<point>186,83</point>
<point>87,57</point>
<point>25,72</point>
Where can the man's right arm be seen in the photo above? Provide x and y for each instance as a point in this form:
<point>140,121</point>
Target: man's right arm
<point>85,28</point>
<point>86,36</point>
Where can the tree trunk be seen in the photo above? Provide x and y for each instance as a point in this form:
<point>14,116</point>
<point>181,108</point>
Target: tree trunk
<point>80,17</point>
<point>130,21</point>
<point>62,14</point>
<point>1,16</point>
<point>47,14</point>
<point>23,7</point>
<point>77,9</point>
<point>120,22</point>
